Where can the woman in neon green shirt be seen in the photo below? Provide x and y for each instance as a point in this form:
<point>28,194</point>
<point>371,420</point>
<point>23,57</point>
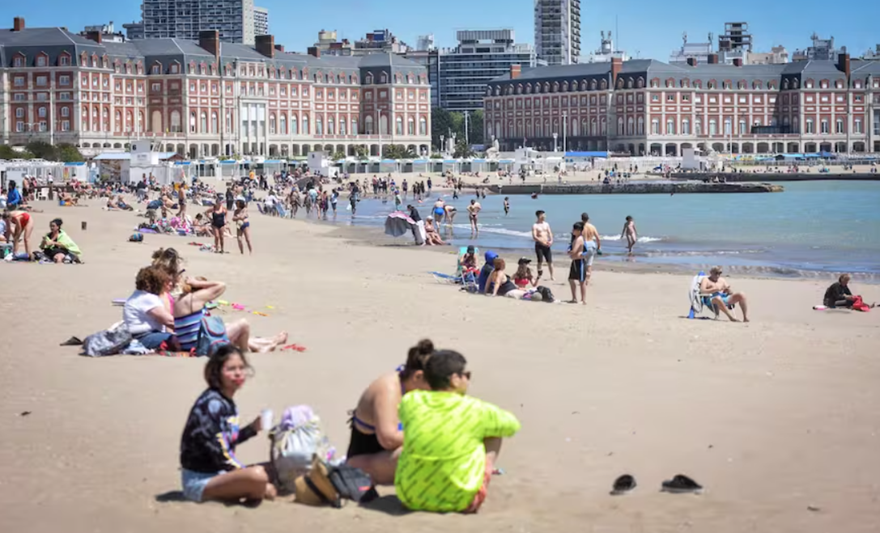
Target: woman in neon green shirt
<point>451,440</point>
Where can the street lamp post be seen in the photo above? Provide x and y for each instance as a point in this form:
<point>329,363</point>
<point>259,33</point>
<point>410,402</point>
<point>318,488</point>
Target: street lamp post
<point>564,131</point>
<point>554,141</point>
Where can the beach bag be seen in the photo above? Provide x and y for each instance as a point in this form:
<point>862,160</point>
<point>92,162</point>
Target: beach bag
<point>108,342</point>
<point>136,237</point>
<point>212,335</point>
<point>332,485</point>
<point>546,294</point>
<point>295,442</point>
<point>353,484</point>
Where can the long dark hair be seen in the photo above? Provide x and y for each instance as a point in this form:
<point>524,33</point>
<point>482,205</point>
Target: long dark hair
<point>214,367</point>
<point>417,358</point>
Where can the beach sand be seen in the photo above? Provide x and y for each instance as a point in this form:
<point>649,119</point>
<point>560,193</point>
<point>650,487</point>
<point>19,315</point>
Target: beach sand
<point>774,418</point>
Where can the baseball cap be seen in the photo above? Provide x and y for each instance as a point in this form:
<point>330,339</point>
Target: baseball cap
<point>470,249</point>
<point>524,261</point>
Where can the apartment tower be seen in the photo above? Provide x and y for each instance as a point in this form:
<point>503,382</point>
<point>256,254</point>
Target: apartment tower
<point>558,31</point>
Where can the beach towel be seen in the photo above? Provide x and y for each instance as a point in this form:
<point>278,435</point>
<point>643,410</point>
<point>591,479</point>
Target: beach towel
<point>860,305</point>
<point>66,242</point>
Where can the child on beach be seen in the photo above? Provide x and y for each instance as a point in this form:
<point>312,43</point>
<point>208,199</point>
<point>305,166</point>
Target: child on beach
<point>209,468</point>
<point>452,440</point>
<point>577,274</point>
<point>629,231</point>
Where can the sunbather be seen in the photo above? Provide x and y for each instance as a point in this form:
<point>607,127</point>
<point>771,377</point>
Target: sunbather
<point>58,246</point>
<point>145,314</point>
<point>376,434</point>
<point>432,238</point>
<point>720,295</point>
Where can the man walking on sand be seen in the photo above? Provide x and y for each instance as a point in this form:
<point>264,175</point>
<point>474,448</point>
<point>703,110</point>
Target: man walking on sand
<point>592,245</point>
<point>543,237</point>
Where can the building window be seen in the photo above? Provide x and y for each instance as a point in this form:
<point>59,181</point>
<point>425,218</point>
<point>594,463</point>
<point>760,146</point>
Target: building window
<point>342,127</point>
<point>42,81</point>
<point>655,97</point>
<point>64,80</point>
<point>19,113</point>
<point>319,126</point>
<point>823,124</point>
<point>670,127</point>
<point>728,126</point>
<point>331,126</point>
<point>698,127</point>
<point>294,127</point>
<point>655,126</point>
<point>19,127</point>
<point>742,127</point>
<point>368,125</point>
<point>64,61</point>
<point>398,125</point>
<point>41,112</point>
<point>354,126</point>
<point>641,126</point>
<point>19,81</point>
<point>18,62</point>
<point>857,125</point>
<point>839,128</point>
<point>305,124</point>
<point>272,125</point>
<point>410,126</point>
<point>713,127</point>
<point>20,97</point>
<point>670,97</point>
<point>685,127</point>
<point>156,87</point>
<point>65,125</point>
<point>65,112</point>
<point>810,126</point>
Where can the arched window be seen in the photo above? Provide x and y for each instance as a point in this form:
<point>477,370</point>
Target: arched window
<point>368,125</point>
<point>423,126</point>
<point>670,126</point>
<point>685,127</point>
<point>319,125</point>
<point>273,124</point>
<point>574,127</point>
<point>305,128</point>
<point>331,125</point>
<point>342,126</point>
<point>175,122</point>
<point>593,128</point>
<point>655,126</point>
<point>213,122</point>
<point>619,126</point>
<point>490,130</point>
<point>383,78</point>
<point>398,125</point>
<point>630,126</point>
<point>140,125</point>
<point>203,123</point>
<point>294,125</point>
<point>354,126</point>
<point>411,126</point>
<point>641,126</point>
<point>539,131</point>
<point>192,122</point>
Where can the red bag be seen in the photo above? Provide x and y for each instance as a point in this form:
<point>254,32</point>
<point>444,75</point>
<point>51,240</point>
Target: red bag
<point>859,305</point>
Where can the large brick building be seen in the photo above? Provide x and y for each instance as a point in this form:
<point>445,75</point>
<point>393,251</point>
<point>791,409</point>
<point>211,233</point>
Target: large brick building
<point>646,106</point>
<point>206,98</point>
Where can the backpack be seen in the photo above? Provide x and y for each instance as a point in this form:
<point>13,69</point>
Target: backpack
<point>295,442</point>
<point>353,484</point>
<point>546,294</point>
<point>332,485</point>
<point>212,335</point>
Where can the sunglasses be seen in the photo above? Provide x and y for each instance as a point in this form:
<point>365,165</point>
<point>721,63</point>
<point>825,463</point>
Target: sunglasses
<point>466,374</point>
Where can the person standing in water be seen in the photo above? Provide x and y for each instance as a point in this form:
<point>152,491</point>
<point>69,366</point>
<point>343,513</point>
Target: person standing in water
<point>543,237</point>
<point>629,231</point>
<point>506,205</point>
<point>473,215</point>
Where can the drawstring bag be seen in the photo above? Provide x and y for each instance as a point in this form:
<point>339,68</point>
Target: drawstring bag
<point>108,342</point>
<point>295,441</point>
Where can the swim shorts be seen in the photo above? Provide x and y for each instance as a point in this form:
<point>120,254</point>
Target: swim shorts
<point>589,252</point>
<point>578,270</point>
<point>194,483</point>
<point>543,253</point>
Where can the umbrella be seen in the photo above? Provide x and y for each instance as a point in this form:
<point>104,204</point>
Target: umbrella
<point>398,223</point>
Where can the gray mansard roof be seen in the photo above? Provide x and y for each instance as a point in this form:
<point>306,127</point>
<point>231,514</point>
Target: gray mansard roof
<point>54,41</point>
<point>649,69</point>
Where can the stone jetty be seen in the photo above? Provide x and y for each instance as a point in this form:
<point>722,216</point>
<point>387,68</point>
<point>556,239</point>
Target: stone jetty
<point>688,187</point>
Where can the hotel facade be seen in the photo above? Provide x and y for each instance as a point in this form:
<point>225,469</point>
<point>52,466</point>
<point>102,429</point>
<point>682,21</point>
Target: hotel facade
<point>646,106</point>
<point>206,98</point>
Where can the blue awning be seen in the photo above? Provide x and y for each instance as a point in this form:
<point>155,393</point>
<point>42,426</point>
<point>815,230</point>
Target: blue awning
<point>389,161</point>
<point>74,164</point>
<point>182,162</point>
<point>586,154</point>
<point>273,161</point>
<point>228,162</point>
<point>450,161</point>
<point>420,161</point>
<point>506,161</point>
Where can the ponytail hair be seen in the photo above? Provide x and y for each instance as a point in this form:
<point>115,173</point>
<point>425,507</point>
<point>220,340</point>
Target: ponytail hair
<point>417,358</point>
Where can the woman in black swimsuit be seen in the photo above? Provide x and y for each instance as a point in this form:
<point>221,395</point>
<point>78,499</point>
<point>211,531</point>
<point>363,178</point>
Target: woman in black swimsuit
<point>376,434</point>
<point>500,284</point>
<point>218,223</point>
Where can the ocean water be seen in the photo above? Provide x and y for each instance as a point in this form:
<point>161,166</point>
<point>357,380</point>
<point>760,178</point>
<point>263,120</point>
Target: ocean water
<point>812,229</point>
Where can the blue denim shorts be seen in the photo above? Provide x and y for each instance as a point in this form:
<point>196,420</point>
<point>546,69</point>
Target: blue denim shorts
<point>154,339</point>
<point>194,483</point>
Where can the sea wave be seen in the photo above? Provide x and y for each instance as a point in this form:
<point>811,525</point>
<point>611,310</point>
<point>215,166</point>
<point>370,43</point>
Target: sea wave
<point>497,231</point>
<point>640,239</point>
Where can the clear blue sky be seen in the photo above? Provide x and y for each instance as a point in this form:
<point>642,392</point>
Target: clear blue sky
<point>649,28</point>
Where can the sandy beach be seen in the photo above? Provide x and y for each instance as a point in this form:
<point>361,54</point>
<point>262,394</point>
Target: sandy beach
<point>776,418</point>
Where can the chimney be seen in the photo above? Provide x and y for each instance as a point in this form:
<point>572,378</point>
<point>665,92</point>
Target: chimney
<point>18,24</point>
<point>313,51</point>
<point>616,67</point>
<point>209,40</point>
<point>692,61</point>
<point>265,45</point>
<point>515,71</point>
<point>713,59</point>
<point>96,36</point>
<point>279,47</point>
<point>737,62</point>
<point>843,64</point>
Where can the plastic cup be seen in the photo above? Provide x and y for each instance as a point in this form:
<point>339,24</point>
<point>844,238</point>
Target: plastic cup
<point>266,419</point>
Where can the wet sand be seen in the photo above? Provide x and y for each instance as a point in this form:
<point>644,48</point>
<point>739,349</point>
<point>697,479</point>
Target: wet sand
<point>773,417</point>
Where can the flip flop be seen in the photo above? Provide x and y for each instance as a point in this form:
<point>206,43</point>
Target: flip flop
<point>296,347</point>
<point>623,484</point>
<point>73,341</point>
<point>681,484</point>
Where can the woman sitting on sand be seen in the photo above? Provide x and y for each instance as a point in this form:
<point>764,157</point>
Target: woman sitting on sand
<point>209,468</point>
<point>19,226</point>
<point>432,238</point>
<point>376,434</point>
<point>500,284</point>
<point>189,309</point>
<point>523,276</point>
<point>201,228</point>
<point>145,314</point>
<point>58,246</point>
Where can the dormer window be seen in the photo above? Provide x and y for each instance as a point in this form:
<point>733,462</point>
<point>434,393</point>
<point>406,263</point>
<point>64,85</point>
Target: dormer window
<point>18,62</point>
<point>41,61</point>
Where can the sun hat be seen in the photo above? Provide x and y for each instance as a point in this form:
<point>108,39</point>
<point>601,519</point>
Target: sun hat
<point>315,488</point>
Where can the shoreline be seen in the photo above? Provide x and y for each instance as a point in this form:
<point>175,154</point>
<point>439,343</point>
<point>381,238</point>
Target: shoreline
<point>375,237</point>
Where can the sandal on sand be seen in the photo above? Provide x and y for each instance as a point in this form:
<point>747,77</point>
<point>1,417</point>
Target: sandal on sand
<point>296,347</point>
<point>681,484</point>
<point>73,341</point>
<point>623,484</point>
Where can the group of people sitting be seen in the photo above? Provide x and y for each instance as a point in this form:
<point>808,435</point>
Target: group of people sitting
<point>166,309</point>
<point>56,246</point>
<point>415,428</point>
<point>492,280</point>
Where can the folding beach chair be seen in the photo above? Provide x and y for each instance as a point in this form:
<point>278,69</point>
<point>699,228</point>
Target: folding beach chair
<point>467,280</point>
<point>699,301</point>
